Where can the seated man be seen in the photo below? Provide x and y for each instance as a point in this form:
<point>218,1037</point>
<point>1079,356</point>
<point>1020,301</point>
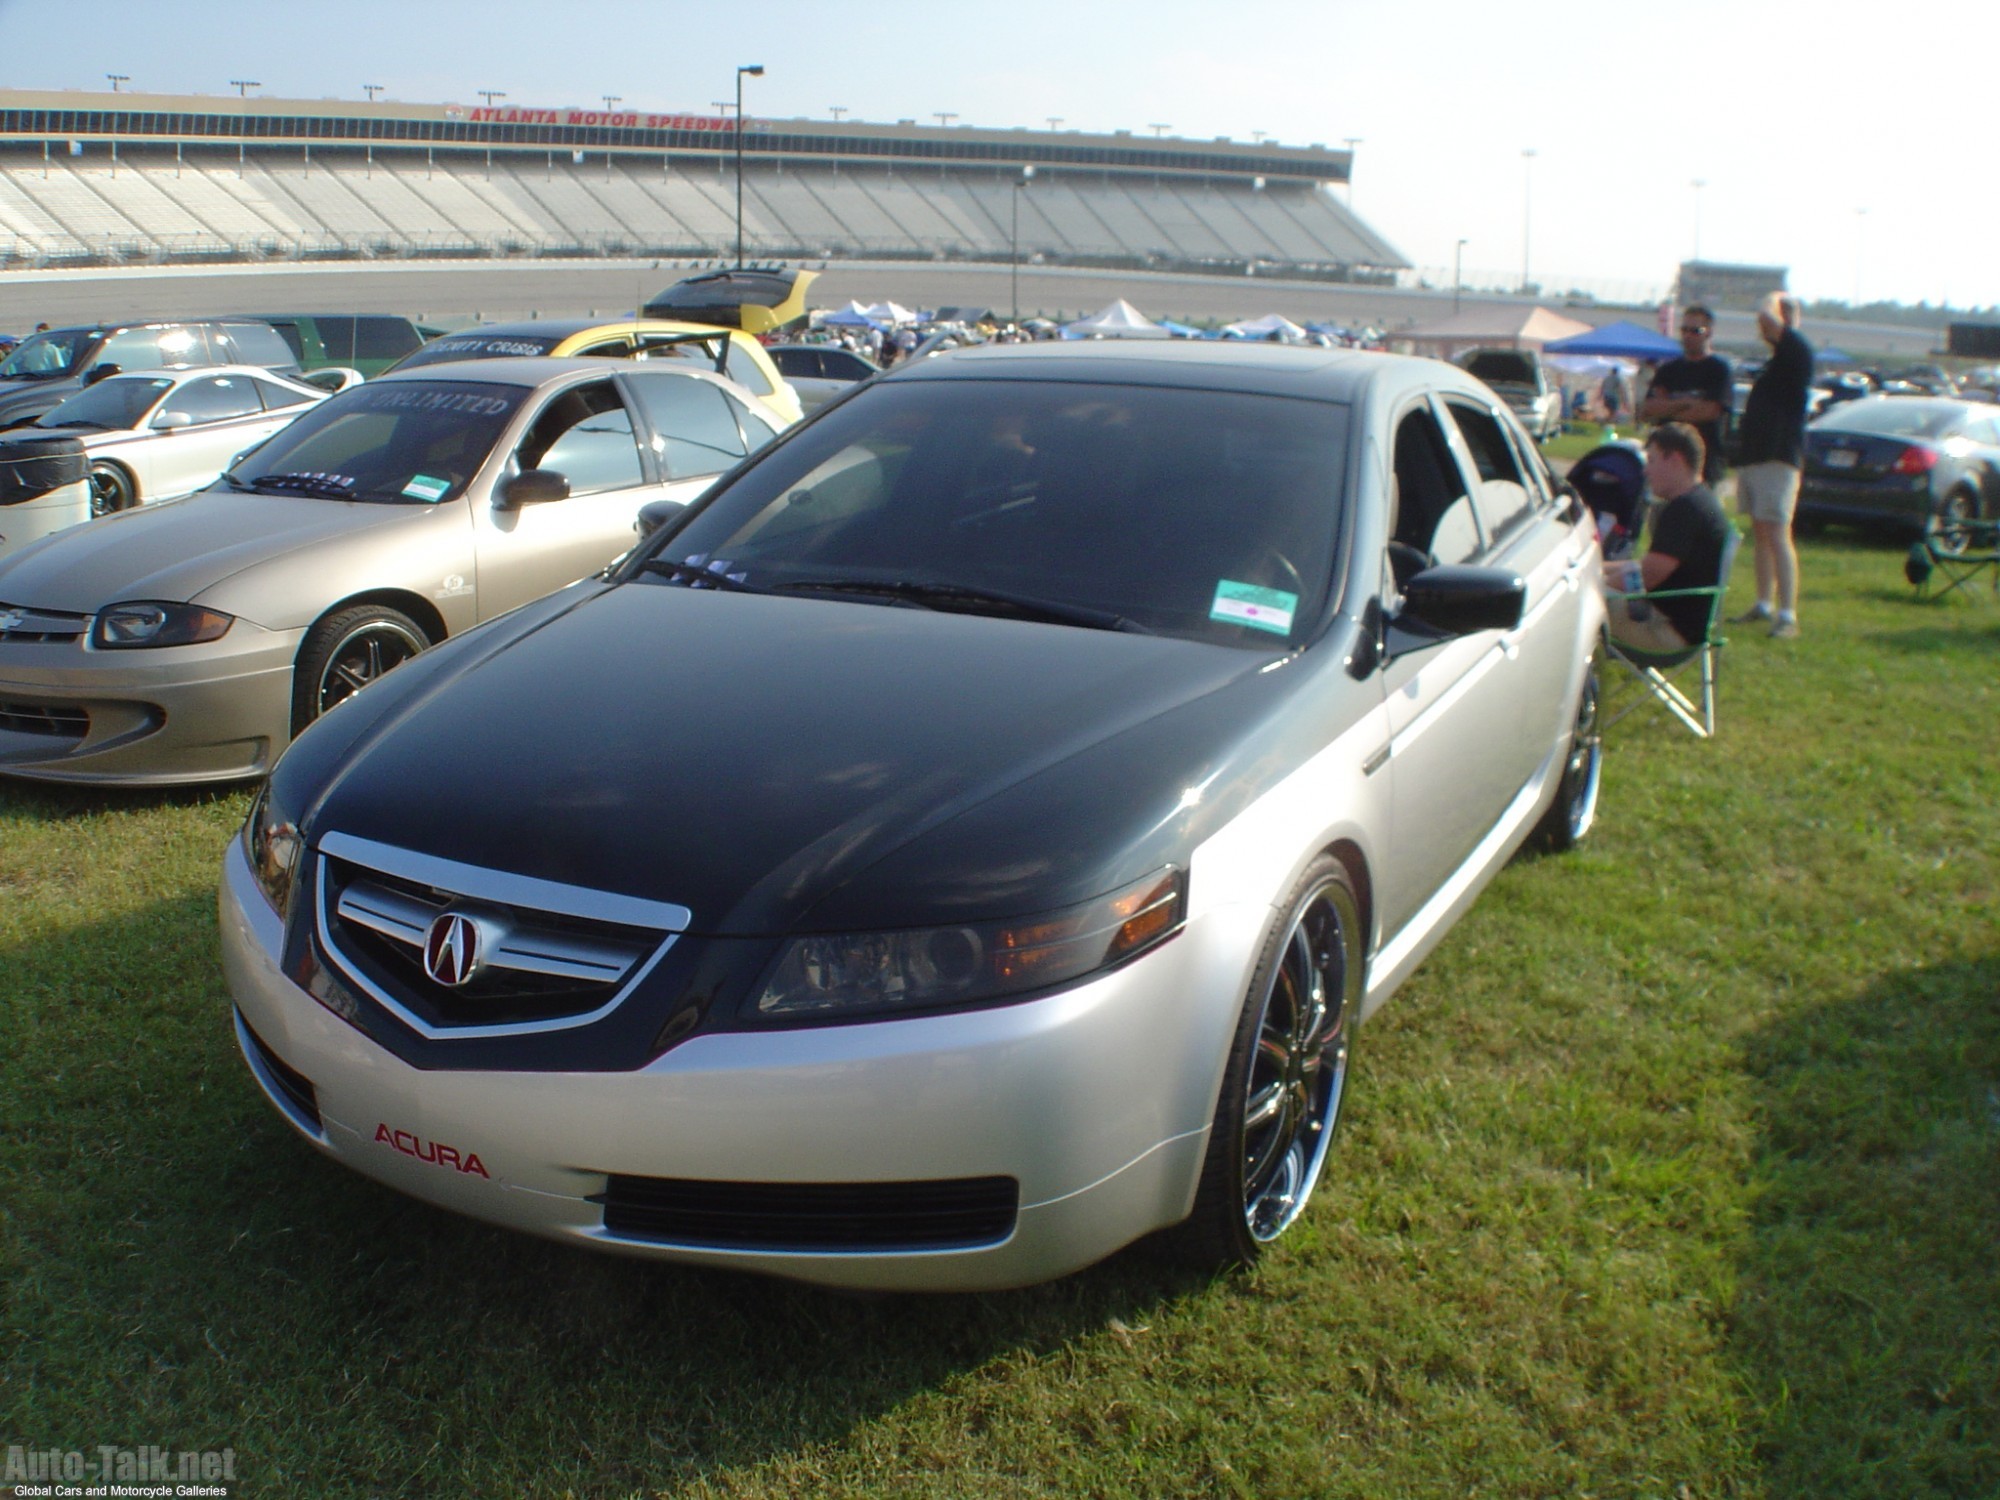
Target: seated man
<point>1689,531</point>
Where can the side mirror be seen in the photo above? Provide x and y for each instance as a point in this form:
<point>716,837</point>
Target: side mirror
<point>172,421</point>
<point>100,372</point>
<point>1444,603</point>
<point>533,487</point>
<point>656,513</point>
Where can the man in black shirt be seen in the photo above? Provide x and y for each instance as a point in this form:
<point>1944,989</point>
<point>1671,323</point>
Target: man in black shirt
<point>1689,535</point>
<point>1771,447</point>
<point>1696,389</point>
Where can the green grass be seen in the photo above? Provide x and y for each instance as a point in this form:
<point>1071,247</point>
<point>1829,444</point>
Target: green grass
<point>1674,1173</point>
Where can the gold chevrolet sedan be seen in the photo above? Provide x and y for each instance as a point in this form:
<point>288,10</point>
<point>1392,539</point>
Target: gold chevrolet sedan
<point>727,351</point>
<point>189,641</point>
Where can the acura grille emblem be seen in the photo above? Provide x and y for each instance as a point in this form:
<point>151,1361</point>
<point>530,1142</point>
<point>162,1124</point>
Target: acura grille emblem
<point>454,950</point>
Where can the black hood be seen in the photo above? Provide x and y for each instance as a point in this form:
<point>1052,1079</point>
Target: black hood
<point>747,756</point>
<point>24,400</point>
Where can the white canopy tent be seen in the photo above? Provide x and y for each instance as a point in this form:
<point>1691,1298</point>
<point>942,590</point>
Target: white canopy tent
<point>1121,320</point>
<point>1264,327</point>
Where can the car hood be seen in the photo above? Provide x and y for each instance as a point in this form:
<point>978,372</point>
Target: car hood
<point>29,398</point>
<point>742,755</point>
<point>179,548</point>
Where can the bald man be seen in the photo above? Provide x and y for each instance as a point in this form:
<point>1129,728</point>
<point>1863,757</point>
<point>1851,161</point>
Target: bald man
<point>1771,446</point>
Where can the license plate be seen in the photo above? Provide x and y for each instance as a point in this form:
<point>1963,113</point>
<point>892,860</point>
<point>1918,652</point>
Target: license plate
<point>1842,458</point>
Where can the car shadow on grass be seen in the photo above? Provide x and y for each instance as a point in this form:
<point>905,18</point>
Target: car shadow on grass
<point>186,1268</point>
<point>1868,1321</point>
<point>1962,634</point>
<point>59,802</point>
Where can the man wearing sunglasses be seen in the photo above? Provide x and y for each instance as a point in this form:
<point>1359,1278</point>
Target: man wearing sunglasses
<point>1695,389</point>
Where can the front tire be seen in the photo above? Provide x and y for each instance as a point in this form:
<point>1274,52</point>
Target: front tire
<point>1949,532</point>
<point>111,489</point>
<point>1286,1077</point>
<point>1569,818</point>
<point>345,652</point>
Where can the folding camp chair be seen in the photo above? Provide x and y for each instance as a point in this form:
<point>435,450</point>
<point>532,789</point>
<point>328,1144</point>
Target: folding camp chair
<point>1960,551</point>
<point>1655,671</point>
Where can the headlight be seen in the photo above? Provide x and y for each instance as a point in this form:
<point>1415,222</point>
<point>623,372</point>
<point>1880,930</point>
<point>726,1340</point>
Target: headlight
<point>145,623</point>
<point>873,973</point>
<point>271,840</point>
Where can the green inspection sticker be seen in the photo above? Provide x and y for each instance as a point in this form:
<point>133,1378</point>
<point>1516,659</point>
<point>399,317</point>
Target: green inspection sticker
<point>1247,604</point>
<point>423,487</point>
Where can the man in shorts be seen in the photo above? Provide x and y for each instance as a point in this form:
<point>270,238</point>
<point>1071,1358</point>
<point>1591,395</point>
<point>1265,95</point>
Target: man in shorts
<point>1689,535</point>
<point>1771,445</point>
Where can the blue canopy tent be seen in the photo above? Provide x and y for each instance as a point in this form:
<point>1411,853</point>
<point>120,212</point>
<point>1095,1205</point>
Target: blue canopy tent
<point>1620,340</point>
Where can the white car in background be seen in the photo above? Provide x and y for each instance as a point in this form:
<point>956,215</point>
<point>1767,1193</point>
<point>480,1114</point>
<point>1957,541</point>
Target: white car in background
<point>161,434</point>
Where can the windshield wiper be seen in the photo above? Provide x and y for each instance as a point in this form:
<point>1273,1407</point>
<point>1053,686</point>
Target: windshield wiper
<point>700,575</point>
<point>967,600</point>
<point>304,484</point>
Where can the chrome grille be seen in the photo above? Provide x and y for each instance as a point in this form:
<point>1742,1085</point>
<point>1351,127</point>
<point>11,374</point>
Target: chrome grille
<point>56,720</point>
<point>19,623</point>
<point>552,955</point>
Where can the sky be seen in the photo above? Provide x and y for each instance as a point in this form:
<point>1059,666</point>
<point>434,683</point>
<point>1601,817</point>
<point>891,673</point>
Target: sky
<point>1846,139</point>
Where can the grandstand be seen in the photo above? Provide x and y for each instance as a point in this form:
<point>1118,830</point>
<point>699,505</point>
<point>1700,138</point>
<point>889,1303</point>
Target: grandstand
<point>178,179</point>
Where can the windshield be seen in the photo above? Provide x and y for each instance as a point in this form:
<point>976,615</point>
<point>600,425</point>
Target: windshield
<point>1212,516</point>
<point>1893,417</point>
<point>110,404</point>
<point>46,354</point>
<point>410,442</point>
<point>480,346</point>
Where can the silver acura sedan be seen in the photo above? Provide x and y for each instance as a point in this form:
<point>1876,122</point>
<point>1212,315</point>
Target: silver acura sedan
<point>189,641</point>
<point>1008,792</point>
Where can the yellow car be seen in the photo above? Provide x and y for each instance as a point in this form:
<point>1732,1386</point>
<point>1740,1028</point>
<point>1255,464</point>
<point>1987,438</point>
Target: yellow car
<point>727,351</point>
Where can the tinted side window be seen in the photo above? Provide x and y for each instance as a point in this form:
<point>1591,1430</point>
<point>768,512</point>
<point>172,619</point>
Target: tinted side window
<point>279,397</point>
<point>256,344</point>
<point>1433,512</point>
<point>585,435</point>
<point>384,338</point>
<point>746,372</point>
<point>804,363</point>
<point>213,400</point>
<point>140,349</point>
<point>1503,497</point>
<point>694,431</point>
<point>841,365</point>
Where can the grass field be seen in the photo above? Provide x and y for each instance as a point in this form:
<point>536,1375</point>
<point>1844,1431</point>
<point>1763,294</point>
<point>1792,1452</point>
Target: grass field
<point>1674,1173</point>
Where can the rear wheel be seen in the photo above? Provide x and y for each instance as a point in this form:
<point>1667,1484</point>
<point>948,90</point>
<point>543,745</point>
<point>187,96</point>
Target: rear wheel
<point>111,489</point>
<point>1575,808</point>
<point>1286,1078</point>
<point>1948,527</point>
<point>345,652</point>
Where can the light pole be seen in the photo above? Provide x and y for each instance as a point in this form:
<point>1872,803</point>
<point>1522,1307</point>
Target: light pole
<point>371,90</point>
<point>118,78</point>
<point>1350,142</point>
<point>944,116</point>
<point>1860,224</point>
<point>1055,121</point>
<point>1159,130</point>
<point>489,95</point>
<point>1457,272</point>
<point>1698,184</point>
<point>1528,155</point>
<point>243,86</point>
<point>836,110</point>
<point>610,100</point>
<point>1014,239</point>
<point>755,70</point>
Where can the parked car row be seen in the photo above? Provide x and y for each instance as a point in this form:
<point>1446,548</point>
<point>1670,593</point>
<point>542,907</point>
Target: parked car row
<point>1903,463</point>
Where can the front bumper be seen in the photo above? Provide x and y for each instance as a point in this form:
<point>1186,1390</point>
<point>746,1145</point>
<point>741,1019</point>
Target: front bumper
<point>1095,1101</point>
<point>178,714</point>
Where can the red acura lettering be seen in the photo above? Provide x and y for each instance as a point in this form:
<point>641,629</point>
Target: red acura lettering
<point>436,1154</point>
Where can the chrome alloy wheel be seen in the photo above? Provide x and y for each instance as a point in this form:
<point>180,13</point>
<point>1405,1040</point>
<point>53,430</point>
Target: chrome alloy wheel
<point>1584,769</point>
<point>362,655</point>
<point>1298,1068</point>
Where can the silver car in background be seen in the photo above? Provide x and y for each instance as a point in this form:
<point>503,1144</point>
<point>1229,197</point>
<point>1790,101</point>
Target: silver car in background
<point>189,641</point>
<point>168,433</point>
